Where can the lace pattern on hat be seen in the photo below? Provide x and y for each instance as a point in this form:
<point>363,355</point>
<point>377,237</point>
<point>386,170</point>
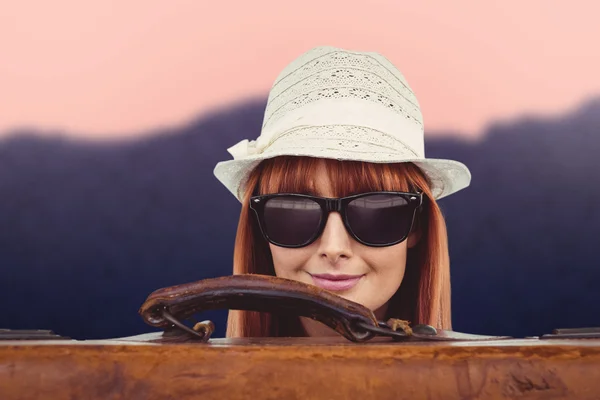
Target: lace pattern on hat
<point>341,92</point>
<point>369,79</point>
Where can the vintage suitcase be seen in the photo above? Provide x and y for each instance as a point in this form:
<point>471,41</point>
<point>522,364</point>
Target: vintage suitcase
<point>371,359</point>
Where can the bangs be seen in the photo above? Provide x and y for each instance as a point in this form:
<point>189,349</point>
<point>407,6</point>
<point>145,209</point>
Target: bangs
<point>296,174</point>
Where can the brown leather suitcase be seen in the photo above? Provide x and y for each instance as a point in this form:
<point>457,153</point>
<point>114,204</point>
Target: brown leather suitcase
<point>388,363</point>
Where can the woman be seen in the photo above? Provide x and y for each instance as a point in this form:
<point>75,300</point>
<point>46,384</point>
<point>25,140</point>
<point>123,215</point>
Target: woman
<point>343,125</point>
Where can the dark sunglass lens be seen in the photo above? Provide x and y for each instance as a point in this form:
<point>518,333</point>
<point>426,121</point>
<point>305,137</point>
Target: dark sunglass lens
<point>291,220</point>
<point>380,218</point>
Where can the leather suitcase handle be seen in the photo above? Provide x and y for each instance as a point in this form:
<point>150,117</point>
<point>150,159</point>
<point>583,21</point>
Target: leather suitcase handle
<point>252,292</point>
<point>165,308</point>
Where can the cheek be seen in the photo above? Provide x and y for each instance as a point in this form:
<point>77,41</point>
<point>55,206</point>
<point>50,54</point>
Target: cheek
<point>288,263</point>
<point>386,260</point>
<point>387,266</point>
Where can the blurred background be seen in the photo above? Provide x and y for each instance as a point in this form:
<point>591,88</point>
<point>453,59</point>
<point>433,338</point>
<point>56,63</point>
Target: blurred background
<point>114,114</point>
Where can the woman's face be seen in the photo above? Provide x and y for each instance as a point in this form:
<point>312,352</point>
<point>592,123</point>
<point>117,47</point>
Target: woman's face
<point>376,272</point>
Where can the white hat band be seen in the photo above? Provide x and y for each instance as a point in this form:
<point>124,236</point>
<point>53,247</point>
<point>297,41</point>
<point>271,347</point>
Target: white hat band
<point>346,111</point>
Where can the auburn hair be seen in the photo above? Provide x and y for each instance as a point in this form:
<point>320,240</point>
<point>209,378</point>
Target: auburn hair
<point>424,294</point>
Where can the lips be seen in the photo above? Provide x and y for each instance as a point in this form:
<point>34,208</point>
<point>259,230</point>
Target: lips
<point>336,283</point>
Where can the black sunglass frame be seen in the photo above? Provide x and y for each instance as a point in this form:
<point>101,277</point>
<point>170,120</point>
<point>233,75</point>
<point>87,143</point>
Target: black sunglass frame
<point>328,204</point>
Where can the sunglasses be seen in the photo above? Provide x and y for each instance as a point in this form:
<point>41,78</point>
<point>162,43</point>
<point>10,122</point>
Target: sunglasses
<point>375,219</point>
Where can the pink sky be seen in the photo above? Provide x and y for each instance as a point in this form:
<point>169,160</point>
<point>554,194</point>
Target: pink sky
<point>120,68</point>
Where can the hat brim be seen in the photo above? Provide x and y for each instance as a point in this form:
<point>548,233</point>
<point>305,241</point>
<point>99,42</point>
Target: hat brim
<point>446,176</point>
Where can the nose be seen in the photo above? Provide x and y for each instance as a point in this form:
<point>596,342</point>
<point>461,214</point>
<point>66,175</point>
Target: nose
<point>335,242</point>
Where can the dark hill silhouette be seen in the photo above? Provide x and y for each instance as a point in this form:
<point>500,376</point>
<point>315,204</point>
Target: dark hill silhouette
<point>88,229</point>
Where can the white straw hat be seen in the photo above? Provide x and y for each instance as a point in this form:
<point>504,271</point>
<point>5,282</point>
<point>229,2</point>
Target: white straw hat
<point>346,105</point>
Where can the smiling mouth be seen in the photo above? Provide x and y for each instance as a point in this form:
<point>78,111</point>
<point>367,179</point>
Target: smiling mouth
<point>336,283</point>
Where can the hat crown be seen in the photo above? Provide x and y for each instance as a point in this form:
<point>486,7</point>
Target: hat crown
<point>326,74</point>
